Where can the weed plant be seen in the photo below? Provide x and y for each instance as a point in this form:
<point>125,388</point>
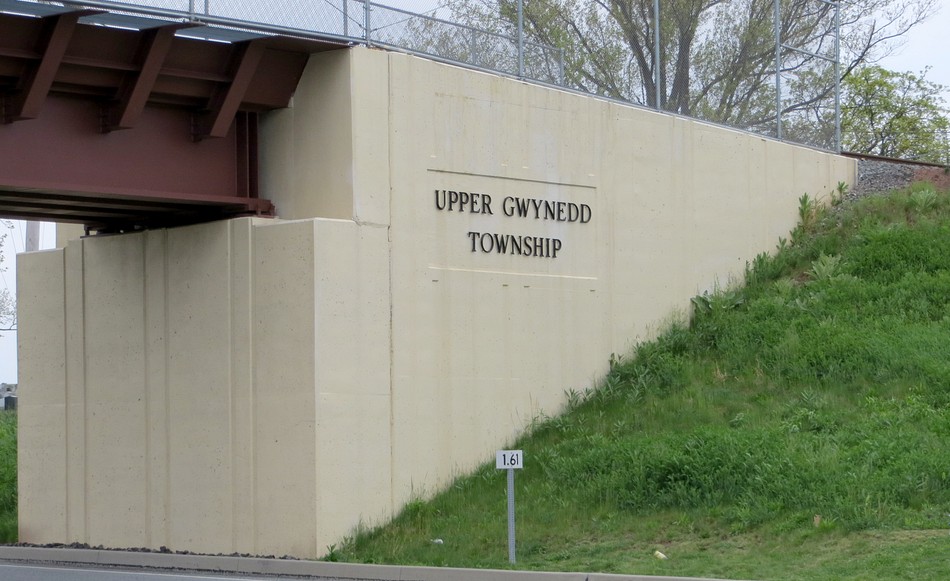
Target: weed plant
<point>8,478</point>
<point>807,409</point>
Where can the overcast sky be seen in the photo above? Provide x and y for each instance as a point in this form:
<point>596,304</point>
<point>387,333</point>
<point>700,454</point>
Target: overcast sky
<point>7,274</point>
<point>15,242</point>
<point>927,45</point>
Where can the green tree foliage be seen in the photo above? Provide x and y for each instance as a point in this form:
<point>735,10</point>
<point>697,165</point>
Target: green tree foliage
<point>717,57</point>
<point>895,115</point>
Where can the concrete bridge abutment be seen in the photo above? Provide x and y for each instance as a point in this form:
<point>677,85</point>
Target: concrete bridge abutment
<point>266,385</point>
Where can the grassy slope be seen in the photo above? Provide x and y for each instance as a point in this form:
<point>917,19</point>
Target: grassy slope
<point>8,494</point>
<point>796,428</point>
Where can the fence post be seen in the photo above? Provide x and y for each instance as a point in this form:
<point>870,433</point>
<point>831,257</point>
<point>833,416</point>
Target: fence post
<point>560,68</point>
<point>656,50</point>
<point>778,69</point>
<point>367,36</point>
<point>473,49</point>
<point>838,76</point>
<point>521,39</point>
<point>346,17</point>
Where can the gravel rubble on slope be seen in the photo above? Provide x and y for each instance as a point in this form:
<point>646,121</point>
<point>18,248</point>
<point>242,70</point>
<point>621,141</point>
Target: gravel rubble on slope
<point>877,176</point>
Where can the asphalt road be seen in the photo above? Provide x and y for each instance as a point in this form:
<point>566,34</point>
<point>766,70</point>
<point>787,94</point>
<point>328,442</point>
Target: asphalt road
<point>52,573</point>
<point>73,564</point>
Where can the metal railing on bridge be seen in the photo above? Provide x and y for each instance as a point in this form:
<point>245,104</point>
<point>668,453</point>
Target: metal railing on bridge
<point>776,74</point>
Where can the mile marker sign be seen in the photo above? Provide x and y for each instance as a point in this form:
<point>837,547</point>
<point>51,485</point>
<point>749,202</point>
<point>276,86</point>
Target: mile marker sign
<point>510,460</point>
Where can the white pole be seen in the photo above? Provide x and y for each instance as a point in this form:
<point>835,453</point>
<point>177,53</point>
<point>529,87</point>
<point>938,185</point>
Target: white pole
<point>366,23</point>
<point>521,39</point>
<point>511,516</point>
<point>778,70</point>
<point>656,50</point>
<point>32,236</point>
<point>510,460</point>
<point>838,77</point>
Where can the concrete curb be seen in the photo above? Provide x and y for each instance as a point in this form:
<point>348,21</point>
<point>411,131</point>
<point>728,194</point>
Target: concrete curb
<point>317,569</point>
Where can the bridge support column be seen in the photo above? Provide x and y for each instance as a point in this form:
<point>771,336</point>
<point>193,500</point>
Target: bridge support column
<point>208,388</point>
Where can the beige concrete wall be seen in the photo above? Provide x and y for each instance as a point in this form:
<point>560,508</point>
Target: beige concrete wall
<point>66,232</point>
<point>266,386</point>
<point>483,342</point>
<point>332,142</point>
<point>186,388</point>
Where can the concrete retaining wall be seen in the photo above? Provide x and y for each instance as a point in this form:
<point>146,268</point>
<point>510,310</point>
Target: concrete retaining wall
<point>266,386</point>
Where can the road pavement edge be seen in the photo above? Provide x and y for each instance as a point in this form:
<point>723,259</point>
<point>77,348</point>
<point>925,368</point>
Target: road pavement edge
<point>269,566</point>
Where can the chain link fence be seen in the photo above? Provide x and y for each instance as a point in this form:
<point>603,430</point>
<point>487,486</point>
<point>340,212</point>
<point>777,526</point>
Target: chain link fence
<point>764,66</point>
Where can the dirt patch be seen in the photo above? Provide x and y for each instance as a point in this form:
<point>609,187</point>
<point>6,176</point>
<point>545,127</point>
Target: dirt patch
<point>877,176</point>
<point>938,176</point>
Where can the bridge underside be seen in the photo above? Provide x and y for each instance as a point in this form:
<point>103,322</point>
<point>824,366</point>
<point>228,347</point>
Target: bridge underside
<point>126,122</point>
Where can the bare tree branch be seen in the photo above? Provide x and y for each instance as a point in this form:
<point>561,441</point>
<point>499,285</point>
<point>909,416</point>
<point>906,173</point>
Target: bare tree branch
<point>717,57</point>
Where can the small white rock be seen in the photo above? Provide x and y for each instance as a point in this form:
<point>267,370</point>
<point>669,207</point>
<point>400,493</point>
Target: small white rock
<point>659,555</point>
<point>437,542</point>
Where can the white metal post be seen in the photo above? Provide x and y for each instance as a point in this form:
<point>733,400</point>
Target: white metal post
<point>473,48</point>
<point>32,236</point>
<point>778,69</point>
<point>366,24</point>
<point>510,460</point>
<point>656,50</point>
<point>838,76</point>
<point>511,515</point>
<point>521,38</point>
<point>561,66</point>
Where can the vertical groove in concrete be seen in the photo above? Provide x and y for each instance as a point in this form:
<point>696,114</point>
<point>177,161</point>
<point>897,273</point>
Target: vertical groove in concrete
<point>147,403</point>
<point>162,384</point>
<point>156,402</point>
<point>75,370</point>
<point>241,384</point>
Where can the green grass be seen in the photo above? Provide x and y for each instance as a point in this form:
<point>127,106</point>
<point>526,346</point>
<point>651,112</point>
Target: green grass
<point>797,427</point>
<point>8,491</point>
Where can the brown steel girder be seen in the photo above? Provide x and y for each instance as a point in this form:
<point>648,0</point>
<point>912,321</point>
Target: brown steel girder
<point>122,122</point>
